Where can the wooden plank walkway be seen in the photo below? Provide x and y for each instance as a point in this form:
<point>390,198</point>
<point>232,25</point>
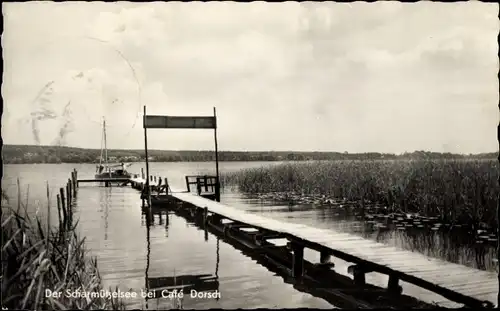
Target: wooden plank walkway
<point>409,266</point>
<point>103,180</point>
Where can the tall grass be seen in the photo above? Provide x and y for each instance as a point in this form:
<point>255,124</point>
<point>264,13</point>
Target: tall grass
<point>37,256</point>
<point>457,191</point>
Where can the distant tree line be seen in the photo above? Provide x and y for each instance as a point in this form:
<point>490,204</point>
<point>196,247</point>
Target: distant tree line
<point>56,154</point>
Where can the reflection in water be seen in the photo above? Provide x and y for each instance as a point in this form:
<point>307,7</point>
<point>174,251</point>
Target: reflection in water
<point>167,222</point>
<point>218,258</point>
<point>455,246</point>
<point>104,203</point>
<point>161,286</point>
<point>121,258</point>
<point>148,253</point>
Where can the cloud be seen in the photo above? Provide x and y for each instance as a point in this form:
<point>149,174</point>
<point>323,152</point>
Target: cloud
<point>320,76</point>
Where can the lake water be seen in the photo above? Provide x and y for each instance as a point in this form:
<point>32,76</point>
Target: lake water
<point>116,232</point>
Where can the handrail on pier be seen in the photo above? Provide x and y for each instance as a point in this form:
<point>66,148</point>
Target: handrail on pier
<point>204,184</point>
<point>365,256</point>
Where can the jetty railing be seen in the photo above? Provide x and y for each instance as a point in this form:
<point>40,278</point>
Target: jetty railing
<point>365,256</point>
<point>318,279</point>
<point>204,184</point>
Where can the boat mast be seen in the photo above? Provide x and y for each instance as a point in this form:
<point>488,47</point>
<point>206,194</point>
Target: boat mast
<point>100,157</point>
<point>105,146</point>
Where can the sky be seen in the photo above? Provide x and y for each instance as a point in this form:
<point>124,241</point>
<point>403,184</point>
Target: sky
<point>313,76</point>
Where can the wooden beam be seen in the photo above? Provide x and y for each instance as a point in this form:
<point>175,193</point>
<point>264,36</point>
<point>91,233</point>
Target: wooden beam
<point>216,219</point>
<point>238,225</point>
<point>298,260</point>
<point>358,272</point>
<point>324,257</point>
<point>271,236</point>
<point>268,248</point>
<point>393,286</point>
<point>326,265</point>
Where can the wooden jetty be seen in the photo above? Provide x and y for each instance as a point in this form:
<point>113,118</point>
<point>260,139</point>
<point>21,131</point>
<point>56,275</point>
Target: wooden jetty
<point>204,185</point>
<point>457,283</point>
<point>318,280</point>
<point>104,180</point>
<point>470,287</point>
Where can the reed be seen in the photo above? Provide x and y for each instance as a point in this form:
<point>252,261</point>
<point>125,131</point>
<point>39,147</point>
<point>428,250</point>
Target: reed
<point>38,257</point>
<point>456,191</point>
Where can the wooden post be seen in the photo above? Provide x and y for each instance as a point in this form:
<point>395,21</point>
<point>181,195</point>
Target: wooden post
<point>146,154</point>
<point>393,286</point>
<point>48,216</point>
<point>217,185</point>
<point>298,260</point>
<point>206,183</point>
<point>76,182</point>
<point>324,257</point>
<point>63,205</point>
<point>142,172</point>
<point>59,212</point>
<point>205,215</point>
<point>187,184</point>
<point>216,219</point>
<point>198,185</point>
<point>166,185</point>
<point>70,188</point>
<point>70,204</point>
<point>76,178</point>
<point>73,182</point>
<point>68,196</point>
<point>358,275</point>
